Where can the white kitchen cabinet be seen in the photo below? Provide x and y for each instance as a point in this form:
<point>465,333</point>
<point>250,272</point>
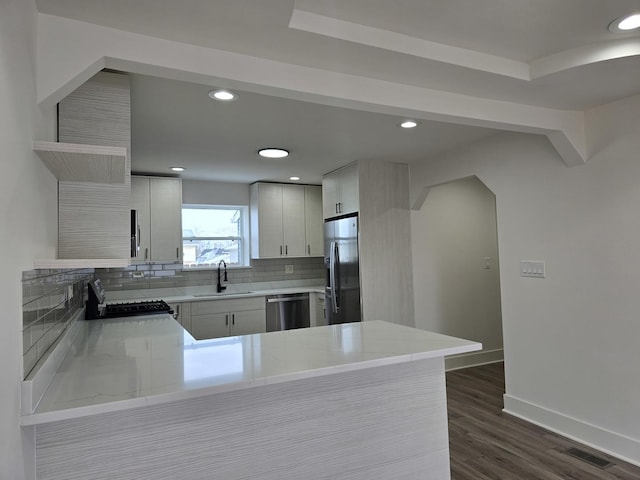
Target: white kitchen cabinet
<point>158,202</point>
<point>340,194</point>
<point>279,226</point>
<point>314,233</point>
<point>222,318</point>
<point>182,313</point>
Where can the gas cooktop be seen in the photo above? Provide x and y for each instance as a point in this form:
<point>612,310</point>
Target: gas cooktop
<point>97,308</point>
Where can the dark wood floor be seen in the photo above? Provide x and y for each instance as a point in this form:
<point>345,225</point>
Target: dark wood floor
<point>486,444</point>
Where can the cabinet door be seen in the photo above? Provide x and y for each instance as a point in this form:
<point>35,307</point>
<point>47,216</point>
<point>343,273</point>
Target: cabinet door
<point>293,223</point>
<point>330,195</point>
<point>140,203</point>
<point>248,322</point>
<point>313,221</point>
<point>166,219</point>
<point>213,325</point>
<point>270,220</point>
<point>182,314</point>
<point>349,193</point>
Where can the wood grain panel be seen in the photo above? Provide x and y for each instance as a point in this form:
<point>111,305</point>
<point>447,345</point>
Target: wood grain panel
<point>93,219</point>
<point>380,423</point>
<point>71,162</point>
<point>385,243</point>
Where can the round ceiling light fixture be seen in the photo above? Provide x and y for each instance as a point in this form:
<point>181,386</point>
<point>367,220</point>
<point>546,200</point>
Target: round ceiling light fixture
<point>295,179</point>
<point>273,153</point>
<point>625,24</point>
<point>409,124</point>
<point>178,169</point>
<point>223,95</point>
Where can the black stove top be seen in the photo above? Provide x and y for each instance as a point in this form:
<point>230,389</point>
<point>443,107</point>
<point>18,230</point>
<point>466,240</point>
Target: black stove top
<point>115,310</point>
<point>96,308</point>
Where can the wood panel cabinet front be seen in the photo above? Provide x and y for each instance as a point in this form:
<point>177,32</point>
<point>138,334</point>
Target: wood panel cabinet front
<point>281,218</point>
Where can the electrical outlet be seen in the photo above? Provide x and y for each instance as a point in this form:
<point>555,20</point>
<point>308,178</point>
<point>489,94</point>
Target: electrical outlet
<point>288,269</point>
<point>487,263</point>
<point>532,268</point>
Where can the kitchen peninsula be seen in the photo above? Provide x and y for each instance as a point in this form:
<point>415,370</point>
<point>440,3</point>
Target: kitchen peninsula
<point>139,398</point>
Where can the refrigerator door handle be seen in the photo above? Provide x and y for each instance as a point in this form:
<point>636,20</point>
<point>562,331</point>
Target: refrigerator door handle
<point>332,275</point>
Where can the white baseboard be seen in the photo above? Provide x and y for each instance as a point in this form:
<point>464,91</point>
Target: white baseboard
<point>473,359</point>
<point>617,445</point>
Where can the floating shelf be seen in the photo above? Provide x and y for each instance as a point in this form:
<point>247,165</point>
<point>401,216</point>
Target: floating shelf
<point>74,162</point>
<point>82,263</point>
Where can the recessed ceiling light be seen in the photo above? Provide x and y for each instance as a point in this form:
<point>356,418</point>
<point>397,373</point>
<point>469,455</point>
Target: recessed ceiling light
<point>273,153</point>
<point>223,95</point>
<point>177,169</point>
<point>295,179</point>
<point>409,124</point>
<point>625,24</point>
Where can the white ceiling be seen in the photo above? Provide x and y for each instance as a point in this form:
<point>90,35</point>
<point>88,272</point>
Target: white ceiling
<point>175,123</point>
<point>549,53</point>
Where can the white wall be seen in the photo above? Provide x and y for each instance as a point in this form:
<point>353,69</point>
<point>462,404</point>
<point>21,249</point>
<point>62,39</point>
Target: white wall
<point>214,193</point>
<point>28,217</point>
<point>571,339</point>
<point>452,234</point>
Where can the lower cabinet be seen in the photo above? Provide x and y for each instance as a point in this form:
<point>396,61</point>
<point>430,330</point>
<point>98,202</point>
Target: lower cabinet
<point>182,313</point>
<point>223,318</point>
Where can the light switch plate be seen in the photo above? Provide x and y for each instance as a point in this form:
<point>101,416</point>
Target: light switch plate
<point>532,268</point>
<point>288,269</point>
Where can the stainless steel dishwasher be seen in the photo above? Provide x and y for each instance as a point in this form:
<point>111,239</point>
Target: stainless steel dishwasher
<point>287,311</point>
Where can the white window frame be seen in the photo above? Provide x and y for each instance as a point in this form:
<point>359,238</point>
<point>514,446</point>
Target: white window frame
<point>243,239</point>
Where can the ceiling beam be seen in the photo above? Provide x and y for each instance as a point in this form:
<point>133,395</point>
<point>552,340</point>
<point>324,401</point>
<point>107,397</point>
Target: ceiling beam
<point>70,51</point>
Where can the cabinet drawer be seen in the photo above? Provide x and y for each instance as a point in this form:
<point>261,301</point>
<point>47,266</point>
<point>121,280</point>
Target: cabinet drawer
<point>231,305</point>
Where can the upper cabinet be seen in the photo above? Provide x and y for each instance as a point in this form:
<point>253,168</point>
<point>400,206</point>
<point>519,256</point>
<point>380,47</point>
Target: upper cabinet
<point>73,162</point>
<point>340,192</point>
<point>285,220</point>
<point>156,214</point>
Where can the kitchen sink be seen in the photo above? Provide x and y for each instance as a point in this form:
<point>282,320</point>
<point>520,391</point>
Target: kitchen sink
<point>221,294</point>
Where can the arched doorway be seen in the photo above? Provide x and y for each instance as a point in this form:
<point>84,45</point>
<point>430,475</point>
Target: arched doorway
<point>455,267</point>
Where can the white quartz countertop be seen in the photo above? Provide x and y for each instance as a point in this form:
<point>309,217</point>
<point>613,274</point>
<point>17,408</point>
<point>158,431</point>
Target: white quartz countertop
<point>126,363</point>
<point>194,294</point>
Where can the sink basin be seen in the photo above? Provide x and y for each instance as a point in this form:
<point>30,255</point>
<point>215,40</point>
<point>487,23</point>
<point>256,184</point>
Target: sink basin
<point>221,294</point>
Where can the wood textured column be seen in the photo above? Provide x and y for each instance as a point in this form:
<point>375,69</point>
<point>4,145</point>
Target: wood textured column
<point>94,218</point>
<point>385,242</point>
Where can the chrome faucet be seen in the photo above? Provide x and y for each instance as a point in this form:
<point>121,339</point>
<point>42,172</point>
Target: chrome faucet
<point>219,287</point>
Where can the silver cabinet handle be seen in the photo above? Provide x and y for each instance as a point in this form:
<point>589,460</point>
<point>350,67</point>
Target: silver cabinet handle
<point>226,320</point>
<point>308,249</point>
<point>286,249</point>
<point>336,208</point>
<point>146,253</point>
<point>178,252</point>
<point>233,319</point>
<point>280,249</point>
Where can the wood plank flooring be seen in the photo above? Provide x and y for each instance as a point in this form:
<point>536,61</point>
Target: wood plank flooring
<point>486,444</point>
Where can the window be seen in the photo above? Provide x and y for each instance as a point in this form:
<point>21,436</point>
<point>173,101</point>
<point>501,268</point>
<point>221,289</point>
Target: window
<point>214,233</point>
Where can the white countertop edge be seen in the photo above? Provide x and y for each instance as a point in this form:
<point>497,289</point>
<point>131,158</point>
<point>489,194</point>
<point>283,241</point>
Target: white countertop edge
<point>197,294</point>
<point>170,397</point>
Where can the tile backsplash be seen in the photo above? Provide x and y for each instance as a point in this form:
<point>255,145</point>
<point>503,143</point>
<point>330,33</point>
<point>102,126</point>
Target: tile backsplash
<point>50,299</point>
<point>171,275</point>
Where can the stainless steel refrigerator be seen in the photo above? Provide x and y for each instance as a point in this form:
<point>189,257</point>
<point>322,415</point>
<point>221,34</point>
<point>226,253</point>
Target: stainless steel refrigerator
<point>342,292</point>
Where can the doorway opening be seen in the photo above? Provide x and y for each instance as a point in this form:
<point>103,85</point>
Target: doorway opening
<point>456,268</point>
